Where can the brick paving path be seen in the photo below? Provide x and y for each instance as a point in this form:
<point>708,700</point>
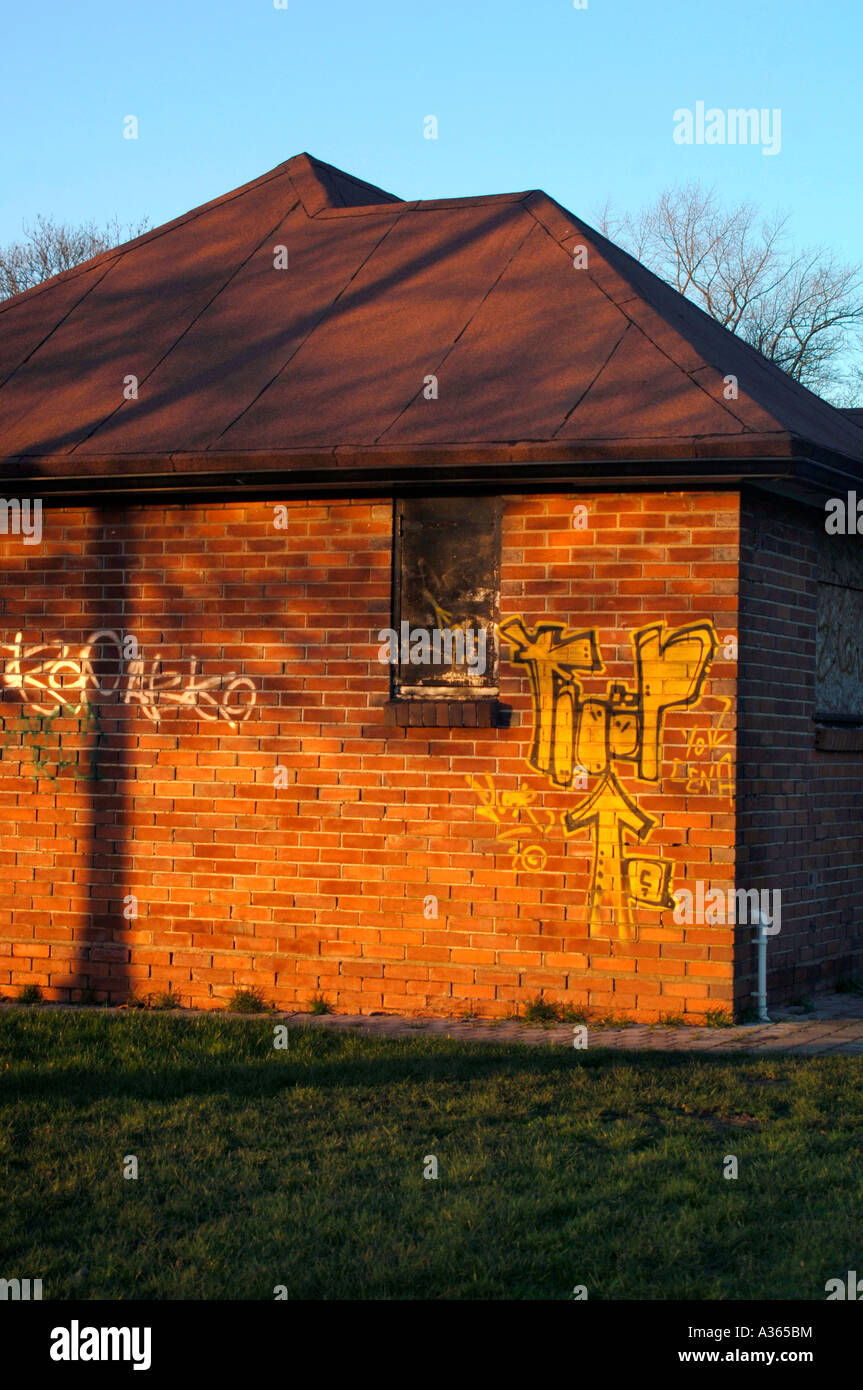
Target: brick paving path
<point>833,1025</point>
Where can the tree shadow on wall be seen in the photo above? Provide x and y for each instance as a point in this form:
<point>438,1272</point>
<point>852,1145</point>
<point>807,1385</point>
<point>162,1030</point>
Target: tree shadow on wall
<point>105,916</point>
<point>64,765</point>
<point>68,728</point>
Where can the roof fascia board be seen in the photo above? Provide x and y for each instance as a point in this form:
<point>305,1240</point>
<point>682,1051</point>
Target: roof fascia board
<point>539,476</point>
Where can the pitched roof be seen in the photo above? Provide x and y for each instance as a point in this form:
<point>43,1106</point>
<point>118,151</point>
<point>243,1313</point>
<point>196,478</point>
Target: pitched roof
<point>321,368</point>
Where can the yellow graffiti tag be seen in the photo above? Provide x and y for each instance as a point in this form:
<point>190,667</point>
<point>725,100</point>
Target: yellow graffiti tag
<point>573,733</point>
<point>505,808</point>
<point>715,776</point>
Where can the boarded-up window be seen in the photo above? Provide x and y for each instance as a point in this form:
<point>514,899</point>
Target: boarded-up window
<point>446,596</point>
<point>839,639</point>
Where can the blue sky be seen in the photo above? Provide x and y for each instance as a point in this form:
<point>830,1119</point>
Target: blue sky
<point>527,93</point>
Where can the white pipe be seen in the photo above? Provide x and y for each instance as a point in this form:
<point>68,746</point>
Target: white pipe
<point>760,940</point>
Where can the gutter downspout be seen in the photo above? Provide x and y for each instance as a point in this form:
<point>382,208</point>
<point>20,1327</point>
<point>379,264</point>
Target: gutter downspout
<point>760,940</point>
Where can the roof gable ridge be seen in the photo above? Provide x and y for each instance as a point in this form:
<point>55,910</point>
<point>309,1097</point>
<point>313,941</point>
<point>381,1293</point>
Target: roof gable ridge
<point>322,187</point>
<point>152,233</point>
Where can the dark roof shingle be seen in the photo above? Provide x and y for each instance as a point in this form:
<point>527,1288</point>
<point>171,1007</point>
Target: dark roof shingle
<point>239,363</point>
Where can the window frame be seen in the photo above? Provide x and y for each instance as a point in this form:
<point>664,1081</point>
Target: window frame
<point>488,689</point>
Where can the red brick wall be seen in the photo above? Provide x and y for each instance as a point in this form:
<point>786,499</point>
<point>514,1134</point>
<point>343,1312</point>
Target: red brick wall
<point>800,827</point>
<point>321,884</point>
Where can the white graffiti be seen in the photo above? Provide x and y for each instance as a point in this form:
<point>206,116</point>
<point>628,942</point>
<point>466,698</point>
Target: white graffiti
<point>51,675</point>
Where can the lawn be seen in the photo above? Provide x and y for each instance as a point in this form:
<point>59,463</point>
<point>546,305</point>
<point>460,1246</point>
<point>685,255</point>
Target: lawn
<point>304,1167</point>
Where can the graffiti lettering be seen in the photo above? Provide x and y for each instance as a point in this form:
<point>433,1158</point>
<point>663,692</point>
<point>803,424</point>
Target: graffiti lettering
<point>51,676</point>
<point>571,732</point>
<point>716,776</point>
<point>501,807</point>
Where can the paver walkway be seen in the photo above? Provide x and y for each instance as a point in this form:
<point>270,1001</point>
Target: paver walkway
<point>830,1023</point>
<point>834,1024</point>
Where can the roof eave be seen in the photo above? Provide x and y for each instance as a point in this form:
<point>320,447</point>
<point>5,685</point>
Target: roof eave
<point>771,462</point>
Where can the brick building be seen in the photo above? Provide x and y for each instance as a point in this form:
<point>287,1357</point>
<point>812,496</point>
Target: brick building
<point>424,600</point>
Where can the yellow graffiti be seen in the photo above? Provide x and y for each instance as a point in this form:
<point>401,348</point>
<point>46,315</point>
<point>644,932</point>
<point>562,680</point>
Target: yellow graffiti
<point>501,807</point>
<point>609,813</point>
<point>573,733</point>
<point>716,776</point>
<point>552,655</point>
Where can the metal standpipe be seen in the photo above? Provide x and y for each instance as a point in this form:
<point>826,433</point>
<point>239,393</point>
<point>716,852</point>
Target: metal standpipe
<point>760,938</point>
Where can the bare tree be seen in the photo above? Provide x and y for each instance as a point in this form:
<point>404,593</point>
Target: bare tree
<point>49,247</point>
<point>802,309</point>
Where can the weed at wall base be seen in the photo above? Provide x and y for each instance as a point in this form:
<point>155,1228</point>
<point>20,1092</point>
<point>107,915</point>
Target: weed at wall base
<point>319,1004</point>
<point>247,1001</point>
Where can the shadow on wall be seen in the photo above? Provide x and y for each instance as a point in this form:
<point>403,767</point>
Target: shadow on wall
<point>107,911</point>
<point>87,677</point>
<point>62,736</point>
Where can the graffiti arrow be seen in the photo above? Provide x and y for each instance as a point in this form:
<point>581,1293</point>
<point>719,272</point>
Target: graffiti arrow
<point>610,813</point>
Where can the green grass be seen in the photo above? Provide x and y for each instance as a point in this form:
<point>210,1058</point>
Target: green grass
<point>849,985</point>
<point>319,1004</point>
<point>546,1012</point>
<point>719,1018</point>
<point>247,1001</point>
<point>541,1010</point>
<point>805,1004</point>
<point>164,1001</point>
<point>304,1166</point>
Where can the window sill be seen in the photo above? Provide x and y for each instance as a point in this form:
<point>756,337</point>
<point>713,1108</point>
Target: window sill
<point>838,733</point>
<point>415,713</point>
